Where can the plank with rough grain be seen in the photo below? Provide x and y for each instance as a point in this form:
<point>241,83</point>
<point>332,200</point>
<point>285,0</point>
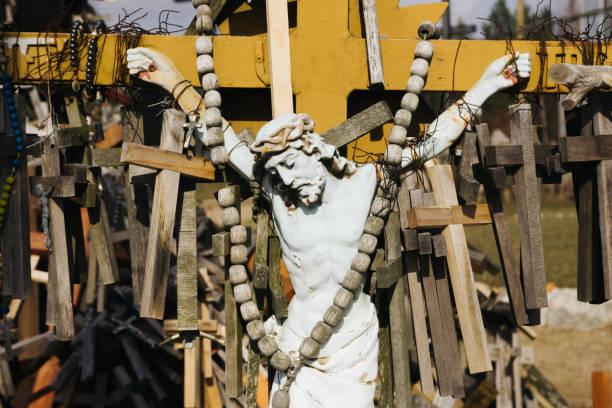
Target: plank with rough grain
<point>280,57</point>
<point>358,125</point>
<point>372,34</point>
<point>187,259</point>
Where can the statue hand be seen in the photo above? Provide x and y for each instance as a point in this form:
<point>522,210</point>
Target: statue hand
<point>154,67</point>
<point>506,72</point>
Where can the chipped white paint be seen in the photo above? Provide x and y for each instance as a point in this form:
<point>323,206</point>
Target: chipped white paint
<point>24,43</point>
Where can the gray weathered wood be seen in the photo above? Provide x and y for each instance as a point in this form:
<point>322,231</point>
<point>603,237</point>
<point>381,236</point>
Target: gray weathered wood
<point>187,259</point>
<point>110,157</point>
<point>277,296</point>
<point>372,34</point>
<point>358,125</point>
<point>467,186</point>
<point>528,205</point>
<point>153,297</point>
<point>260,266</point>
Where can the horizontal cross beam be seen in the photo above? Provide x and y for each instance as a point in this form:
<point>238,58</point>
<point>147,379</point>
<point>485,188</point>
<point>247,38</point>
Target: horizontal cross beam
<point>441,216</point>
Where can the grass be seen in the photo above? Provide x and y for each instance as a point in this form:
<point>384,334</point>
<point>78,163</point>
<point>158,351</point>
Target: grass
<point>560,238</point>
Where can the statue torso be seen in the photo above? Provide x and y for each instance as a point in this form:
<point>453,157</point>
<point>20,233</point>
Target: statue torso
<point>318,245</point>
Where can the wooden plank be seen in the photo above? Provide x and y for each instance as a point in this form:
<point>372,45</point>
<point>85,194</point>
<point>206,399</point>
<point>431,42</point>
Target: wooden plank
<point>372,34</point>
<point>92,275</point>
<point>192,373</point>
<point>466,300</point>
<point>110,157</point>
<point>63,186</point>
<point>59,301</point>
<point>75,136</point>
<point>602,125</point>
<point>148,156</point>
<point>528,206</point>
<point>385,372</point>
<point>153,296</point>
<point>280,57</point>
<point>467,186</point>
<point>100,234</point>
<point>233,344</point>
<point>503,239</point>
<point>601,389</point>
<point>277,296</point>
<point>441,216</point>
<point>187,260</point>
<point>397,317</point>
<point>512,155</point>
<point>503,381</point>
<point>585,148</point>
<point>358,125</point>
<point>260,265</point>
<point>171,326</point>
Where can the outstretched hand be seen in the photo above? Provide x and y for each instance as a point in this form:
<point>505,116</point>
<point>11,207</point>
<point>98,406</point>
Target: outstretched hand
<point>153,66</point>
<point>506,71</point>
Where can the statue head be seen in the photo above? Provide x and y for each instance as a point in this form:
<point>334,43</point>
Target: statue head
<point>296,158</point>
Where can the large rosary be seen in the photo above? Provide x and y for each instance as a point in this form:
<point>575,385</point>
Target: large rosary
<point>381,206</point>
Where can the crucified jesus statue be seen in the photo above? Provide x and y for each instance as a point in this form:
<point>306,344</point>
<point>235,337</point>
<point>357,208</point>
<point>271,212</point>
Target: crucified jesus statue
<point>320,202</point>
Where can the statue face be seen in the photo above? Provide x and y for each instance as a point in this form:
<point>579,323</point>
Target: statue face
<point>300,172</point>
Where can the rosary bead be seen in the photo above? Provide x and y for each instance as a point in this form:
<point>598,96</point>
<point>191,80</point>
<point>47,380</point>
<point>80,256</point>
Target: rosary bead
<point>280,361</point>
<point>351,280</point>
<point>210,81</point>
<point>212,117</point>
<point>203,10</point>
<point>6,196</point>
<point>249,311</point>
<point>381,206</point>
<point>16,163</point>
<point>367,244</point>
<point>239,235</point>
<point>7,187</point>
<point>374,225</point>
<point>403,117</point>
<point>361,261</point>
<point>19,148</point>
<point>267,346</point>
<point>410,101</point>
<point>218,155</point>
<point>255,329</point>
<point>18,140</point>
<point>230,216</point>
<point>333,315</point>
<point>227,197</point>
<point>15,124</point>
<point>13,116</point>
<point>243,293</point>
<point>420,66</point>
<point>10,101</point>
<point>280,399</point>
<point>5,77</point>
<point>1,220</point>
<point>17,132</point>
<point>7,92</point>
<point>11,108</point>
<point>309,348</point>
<point>398,135</point>
<point>428,30</point>
<point>3,203</point>
<point>214,136</point>
<point>424,49</point>
<point>2,210</point>
<point>197,3</point>
<point>10,179</point>
<point>393,155</point>
<point>238,274</point>
<point>204,45</point>
<point>321,332</point>
<point>205,64</point>
<point>343,298</point>
<point>239,254</point>
<point>212,99</point>
<point>204,24</point>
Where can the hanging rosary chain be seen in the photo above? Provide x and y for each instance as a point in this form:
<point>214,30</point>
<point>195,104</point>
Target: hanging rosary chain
<point>92,55</point>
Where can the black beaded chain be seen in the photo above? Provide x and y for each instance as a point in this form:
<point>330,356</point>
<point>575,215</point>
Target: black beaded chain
<point>92,53</point>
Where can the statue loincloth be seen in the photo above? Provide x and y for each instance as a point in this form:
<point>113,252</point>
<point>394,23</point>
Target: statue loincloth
<point>344,375</point>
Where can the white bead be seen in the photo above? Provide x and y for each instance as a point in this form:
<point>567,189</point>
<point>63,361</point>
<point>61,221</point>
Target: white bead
<point>210,81</point>
<point>309,348</point>
<point>255,329</point>
<point>267,346</point>
<point>205,64</point>
<point>226,197</point>
<point>321,332</point>
<point>281,399</point>
<point>204,10</point>
<point>333,315</point>
<point>243,293</point>
<point>239,254</point>
<point>238,274</point>
<point>249,311</point>
<point>214,137</point>
<point>343,298</point>
<point>204,24</point>
<point>380,206</point>
<point>197,3</point>
<point>403,117</point>
<point>238,235</point>
<point>230,216</point>
<point>415,84</point>
<point>212,117</point>
<point>419,67</point>
<point>410,101</point>
<point>374,226</point>
<point>218,155</point>
<point>204,45</point>
<point>398,135</point>
<point>361,262</point>
<point>424,49</point>
<point>212,99</point>
<point>393,155</point>
<point>280,361</point>
<point>367,244</point>
<point>351,281</point>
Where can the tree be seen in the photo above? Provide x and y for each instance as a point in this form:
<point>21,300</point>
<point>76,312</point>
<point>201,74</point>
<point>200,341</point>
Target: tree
<point>501,23</point>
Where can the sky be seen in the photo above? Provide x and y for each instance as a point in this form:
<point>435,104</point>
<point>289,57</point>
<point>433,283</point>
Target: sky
<point>464,9</point>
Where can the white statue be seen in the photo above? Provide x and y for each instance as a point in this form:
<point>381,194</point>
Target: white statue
<point>320,202</point>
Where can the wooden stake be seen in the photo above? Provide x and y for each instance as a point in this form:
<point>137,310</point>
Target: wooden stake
<point>601,386</point>
<point>280,57</point>
<point>370,22</point>
<point>157,264</point>
<point>187,260</point>
<point>192,374</point>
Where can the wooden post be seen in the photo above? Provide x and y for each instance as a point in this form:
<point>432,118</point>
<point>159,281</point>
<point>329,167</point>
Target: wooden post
<point>153,297</point>
<point>370,22</point>
<point>192,373</point>
<point>528,205</point>
<point>280,57</point>
<point>277,296</point>
<point>187,259</point>
<point>458,258</point>
<point>59,291</point>
<point>601,386</point>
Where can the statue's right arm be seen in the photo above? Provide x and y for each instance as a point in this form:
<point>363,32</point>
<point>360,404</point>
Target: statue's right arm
<point>155,67</point>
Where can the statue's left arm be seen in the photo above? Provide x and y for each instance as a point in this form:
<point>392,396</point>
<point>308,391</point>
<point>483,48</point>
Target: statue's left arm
<point>155,67</point>
<point>442,133</point>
